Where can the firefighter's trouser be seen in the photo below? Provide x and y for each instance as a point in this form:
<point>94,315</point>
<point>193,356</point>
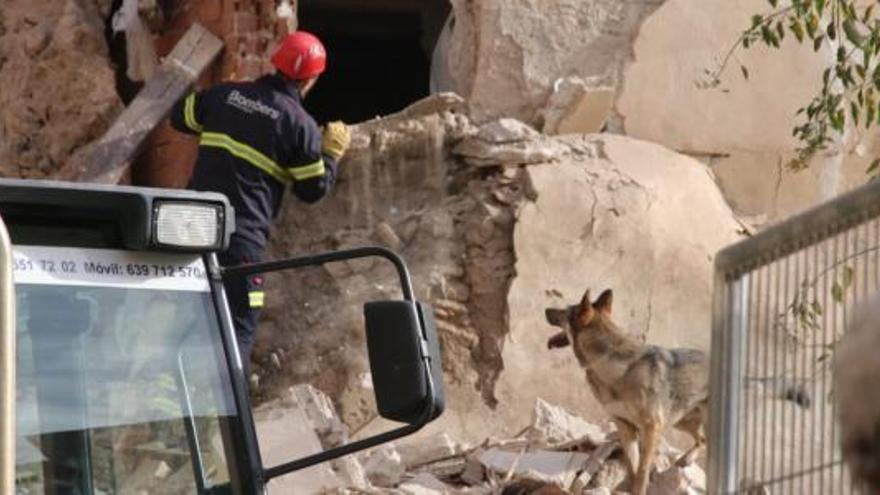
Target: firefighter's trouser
<point>245,294</point>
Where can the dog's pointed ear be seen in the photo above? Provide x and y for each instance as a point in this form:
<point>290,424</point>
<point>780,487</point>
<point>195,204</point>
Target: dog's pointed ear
<point>603,304</point>
<point>585,310</point>
<point>586,301</point>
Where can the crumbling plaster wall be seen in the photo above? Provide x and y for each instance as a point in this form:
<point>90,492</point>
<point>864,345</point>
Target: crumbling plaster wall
<point>506,56</point>
<point>400,187</point>
<point>57,88</point>
<point>638,63</point>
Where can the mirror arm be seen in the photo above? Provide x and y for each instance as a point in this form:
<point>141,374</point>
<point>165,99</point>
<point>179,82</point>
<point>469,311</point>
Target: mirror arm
<point>328,257</point>
<point>366,443</point>
<point>406,289</point>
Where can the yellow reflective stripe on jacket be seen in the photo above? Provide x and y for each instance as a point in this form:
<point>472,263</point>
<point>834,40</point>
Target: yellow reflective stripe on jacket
<point>246,153</point>
<point>256,299</point>
<point>189,113</point>
<point>309,171</point>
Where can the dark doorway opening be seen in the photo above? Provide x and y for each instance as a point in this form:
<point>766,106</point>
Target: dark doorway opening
<point>378,60</point>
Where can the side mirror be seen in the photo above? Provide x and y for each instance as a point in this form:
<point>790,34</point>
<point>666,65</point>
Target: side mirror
<point>403,349</point>
<point>400,334</point>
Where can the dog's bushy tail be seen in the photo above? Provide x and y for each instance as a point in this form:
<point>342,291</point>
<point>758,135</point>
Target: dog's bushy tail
<point>783,388</point>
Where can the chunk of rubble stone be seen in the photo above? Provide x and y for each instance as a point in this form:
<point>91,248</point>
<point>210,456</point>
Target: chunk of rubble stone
<point>508,142</point>
<point>577,106</point>
<point>598,457</point>
<point>506,131</point>
<point>383,466</point>
<point>424,484</point>
<point>318,408</point>
<point>532,487</point>
<point>350,472</point>
<point>423,451</point>
<point>387,236</point>
<point>612,473</point>
<point>544,465</point>
<point>690,480</point>
<point>474,473</point>
<point>553,425</point>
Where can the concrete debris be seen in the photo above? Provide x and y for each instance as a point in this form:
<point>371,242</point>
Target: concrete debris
<point>689,480</point>
<point>611,475</point>
<point>387,236</point>
<point>474,473</point>
<point>303,422</point>
<point>576,106</point>
<point>383,466</point>
<point>570,456</point>
<point>320,413</point>
<point>425,450</point>
<point>553,425</point>
<point>555,467</point>
<point>424,484</point>
<point>508,142</point>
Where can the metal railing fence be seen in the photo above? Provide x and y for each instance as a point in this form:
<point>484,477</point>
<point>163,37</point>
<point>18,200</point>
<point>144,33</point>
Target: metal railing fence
<point>782,300</point>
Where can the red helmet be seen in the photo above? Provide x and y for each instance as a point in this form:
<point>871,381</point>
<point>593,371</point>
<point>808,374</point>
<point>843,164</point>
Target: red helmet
<point>300,56</point>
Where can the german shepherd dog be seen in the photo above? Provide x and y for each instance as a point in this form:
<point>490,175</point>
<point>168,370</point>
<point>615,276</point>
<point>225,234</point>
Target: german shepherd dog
<point>644,388</point>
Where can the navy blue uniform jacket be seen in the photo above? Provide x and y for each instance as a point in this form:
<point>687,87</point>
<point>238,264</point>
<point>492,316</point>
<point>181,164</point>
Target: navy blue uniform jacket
<point>255,139</point>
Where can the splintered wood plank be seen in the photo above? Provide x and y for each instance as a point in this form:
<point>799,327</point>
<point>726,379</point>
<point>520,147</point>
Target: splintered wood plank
<point>106,160</point>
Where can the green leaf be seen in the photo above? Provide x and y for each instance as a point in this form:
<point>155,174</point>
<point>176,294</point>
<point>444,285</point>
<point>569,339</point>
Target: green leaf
<point>867,14</point>
<point>831,31</point>
<point>773,3</point>
<point>757,19</point>
<point>766,35</point>
<point>846,278</point>
<point>874,167</point>
<point>837,292</point>
<point>838,120</point>
<point>797,29</point>
<point>820,5</point>
<point>745,72</point>
<point>780,31</point>
<point>852,33</point>
<point>854,112</point>
<point>816,307</point>
<point>812,25</point>
<point>817,43</point>
<point>841,53</point>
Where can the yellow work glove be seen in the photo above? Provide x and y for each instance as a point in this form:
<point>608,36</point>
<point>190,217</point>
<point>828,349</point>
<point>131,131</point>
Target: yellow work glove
<point>336,139</point>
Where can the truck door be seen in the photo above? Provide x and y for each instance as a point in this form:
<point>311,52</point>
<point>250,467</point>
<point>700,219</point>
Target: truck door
<point>122,381</point>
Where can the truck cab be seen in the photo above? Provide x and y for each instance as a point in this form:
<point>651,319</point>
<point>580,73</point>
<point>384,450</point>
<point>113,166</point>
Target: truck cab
<point>118,360</point>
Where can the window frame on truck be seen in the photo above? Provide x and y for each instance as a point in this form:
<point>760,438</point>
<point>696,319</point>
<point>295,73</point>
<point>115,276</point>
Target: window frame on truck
<point>39,212</point>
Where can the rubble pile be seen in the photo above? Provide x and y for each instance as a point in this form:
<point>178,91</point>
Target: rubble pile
<point>557,453</point>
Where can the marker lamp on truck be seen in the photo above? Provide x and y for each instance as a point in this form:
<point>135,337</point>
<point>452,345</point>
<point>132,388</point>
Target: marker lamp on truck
<point>188,225</point>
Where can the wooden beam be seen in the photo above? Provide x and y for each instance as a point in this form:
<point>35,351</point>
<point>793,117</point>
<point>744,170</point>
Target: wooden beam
<point>107,159</point>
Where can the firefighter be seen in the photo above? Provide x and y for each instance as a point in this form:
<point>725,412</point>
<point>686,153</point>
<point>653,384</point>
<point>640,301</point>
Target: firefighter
<point>255,140</point>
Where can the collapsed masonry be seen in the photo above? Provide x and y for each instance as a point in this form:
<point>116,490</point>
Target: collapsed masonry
<point>496,220</point>
<point>556,453</point>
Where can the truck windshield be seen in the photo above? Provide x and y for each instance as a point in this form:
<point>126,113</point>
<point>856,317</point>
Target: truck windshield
<point>122,385</point>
